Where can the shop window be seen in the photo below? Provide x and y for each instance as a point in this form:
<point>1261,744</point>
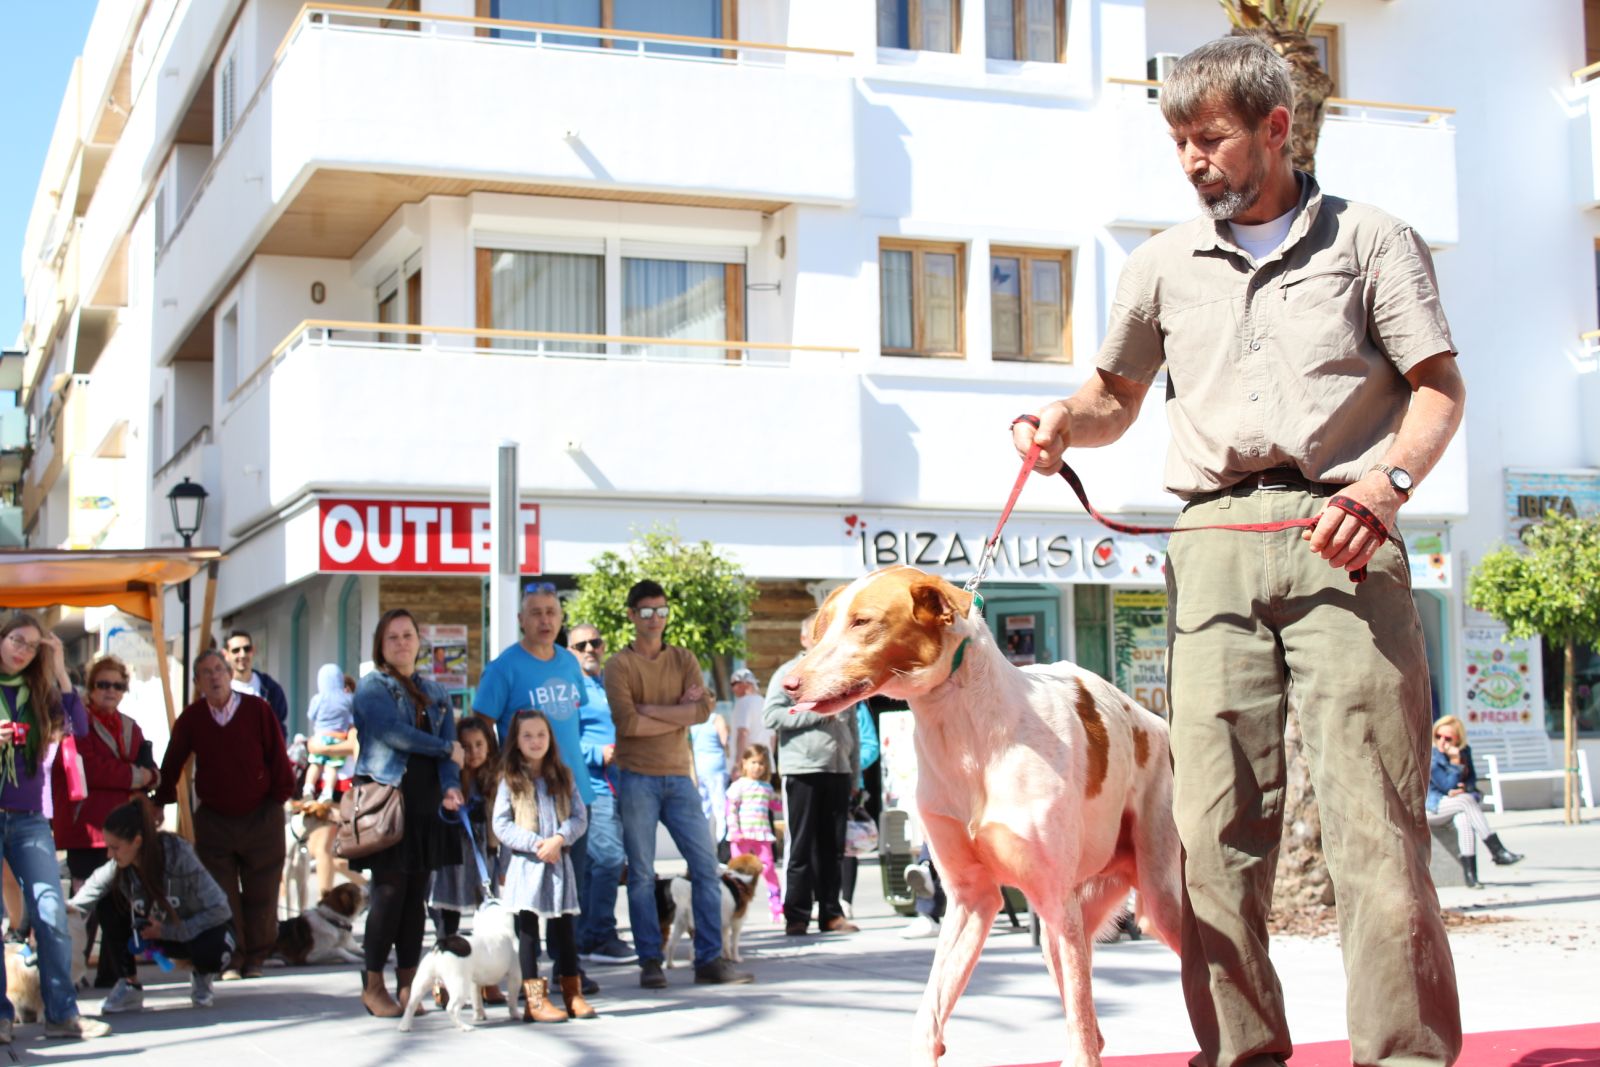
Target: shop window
<point>1588,689</point>
<point>1032,30</point>
<point>920,25</point>
<point>1091,628</point>
<point>1030,305</point>
<point>920,299</point>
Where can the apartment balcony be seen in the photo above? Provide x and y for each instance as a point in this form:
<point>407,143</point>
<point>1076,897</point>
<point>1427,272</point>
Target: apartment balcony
<point>198,459</point>
<point>343,407</point>
<point>365,111</point>
<point>1400,157</point>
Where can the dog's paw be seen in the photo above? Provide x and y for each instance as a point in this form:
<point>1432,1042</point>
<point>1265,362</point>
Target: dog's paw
<point>405,1026</point>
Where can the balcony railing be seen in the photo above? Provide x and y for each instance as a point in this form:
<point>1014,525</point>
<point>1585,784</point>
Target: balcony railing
<point>1342,108</point>
<point>1591,346</point>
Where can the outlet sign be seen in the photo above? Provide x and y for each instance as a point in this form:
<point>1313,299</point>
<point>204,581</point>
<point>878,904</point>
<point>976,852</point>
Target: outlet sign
<point>417,537</point>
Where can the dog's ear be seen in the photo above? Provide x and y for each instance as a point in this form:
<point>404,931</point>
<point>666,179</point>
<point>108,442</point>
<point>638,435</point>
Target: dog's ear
<point>935,602</point>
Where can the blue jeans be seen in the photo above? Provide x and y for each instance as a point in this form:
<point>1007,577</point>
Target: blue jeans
<point>30,851</point>
<point>599,873</point>
<point>673,801</point>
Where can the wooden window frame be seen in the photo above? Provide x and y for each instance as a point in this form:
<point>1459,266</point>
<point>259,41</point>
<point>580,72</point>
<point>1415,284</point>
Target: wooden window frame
<point>914,28</point>
<point>1026,256</point>
<point>1329,32</point>
<point>1019,32</point>
<point>919,249</point>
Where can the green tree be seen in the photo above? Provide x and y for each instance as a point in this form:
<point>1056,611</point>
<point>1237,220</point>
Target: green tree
<point>709,595</point>
<point>1551,591</point>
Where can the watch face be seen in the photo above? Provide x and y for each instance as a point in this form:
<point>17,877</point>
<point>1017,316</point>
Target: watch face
<point>1401,480</point>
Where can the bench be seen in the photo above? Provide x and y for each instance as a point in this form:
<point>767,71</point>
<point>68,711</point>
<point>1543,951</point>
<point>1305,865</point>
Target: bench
<point>1523,757</point>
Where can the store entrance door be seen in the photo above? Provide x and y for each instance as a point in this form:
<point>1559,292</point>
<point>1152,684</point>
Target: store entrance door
<point>1025,624</point>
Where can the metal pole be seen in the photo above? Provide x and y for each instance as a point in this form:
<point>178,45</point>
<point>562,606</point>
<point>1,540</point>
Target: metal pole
<point>183,598</point>
<point>504,534</point>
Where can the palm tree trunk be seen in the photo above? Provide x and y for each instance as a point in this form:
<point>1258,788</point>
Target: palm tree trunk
<point>1311,88</point>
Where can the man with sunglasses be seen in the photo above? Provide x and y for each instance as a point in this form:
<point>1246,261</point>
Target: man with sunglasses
<point>599,875</point>
<point>656,693</point>
<point>241,655</point>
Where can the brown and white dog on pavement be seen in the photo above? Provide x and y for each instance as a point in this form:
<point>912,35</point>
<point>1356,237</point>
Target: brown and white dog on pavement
<point>325,933</point>
<point>675,908</point>
<point>22,969</point>
<point>1046,778</point>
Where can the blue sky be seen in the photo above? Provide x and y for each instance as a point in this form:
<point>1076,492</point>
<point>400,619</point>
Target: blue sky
<point>45,36</point>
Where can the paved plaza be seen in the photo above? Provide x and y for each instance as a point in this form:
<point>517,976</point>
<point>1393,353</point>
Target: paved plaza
<point>1526,957</point>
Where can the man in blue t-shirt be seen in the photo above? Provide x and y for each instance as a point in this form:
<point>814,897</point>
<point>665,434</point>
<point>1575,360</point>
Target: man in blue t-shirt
<point>535,673</point>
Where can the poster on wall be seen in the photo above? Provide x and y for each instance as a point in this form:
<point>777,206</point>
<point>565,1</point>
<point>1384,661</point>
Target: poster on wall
<point>1532,494</point>
<point>443,655</point>
<point>1502,684</point>
<point>1020,639</point>
<point>1140,629</point>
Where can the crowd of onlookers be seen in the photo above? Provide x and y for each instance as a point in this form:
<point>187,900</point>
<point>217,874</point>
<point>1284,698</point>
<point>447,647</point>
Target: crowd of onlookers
<point>543,795</point>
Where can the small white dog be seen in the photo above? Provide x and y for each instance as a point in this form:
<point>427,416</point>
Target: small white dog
<point>677,916</point>
<point>466,964</point>
<point>22,970</point>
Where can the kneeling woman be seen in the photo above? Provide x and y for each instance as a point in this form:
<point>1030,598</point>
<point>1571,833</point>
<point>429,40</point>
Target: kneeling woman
<point>155,885</point>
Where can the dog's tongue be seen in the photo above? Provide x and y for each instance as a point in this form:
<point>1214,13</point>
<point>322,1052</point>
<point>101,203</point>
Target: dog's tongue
<point>804,705</point>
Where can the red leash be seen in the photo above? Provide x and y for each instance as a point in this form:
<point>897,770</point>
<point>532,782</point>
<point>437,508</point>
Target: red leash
<point>1362,514</point>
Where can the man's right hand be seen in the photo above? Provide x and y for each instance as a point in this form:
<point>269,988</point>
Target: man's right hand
<point>1053,436</point>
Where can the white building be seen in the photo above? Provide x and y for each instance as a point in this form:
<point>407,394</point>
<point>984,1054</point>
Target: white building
<point>820,253</point>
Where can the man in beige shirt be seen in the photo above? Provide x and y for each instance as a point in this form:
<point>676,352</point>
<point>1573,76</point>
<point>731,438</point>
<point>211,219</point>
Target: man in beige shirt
<point>1306,355</point>
<point>656,693</point>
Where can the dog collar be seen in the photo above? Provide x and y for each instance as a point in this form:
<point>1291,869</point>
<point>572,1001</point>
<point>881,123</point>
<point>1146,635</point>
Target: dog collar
<point>961,653</point>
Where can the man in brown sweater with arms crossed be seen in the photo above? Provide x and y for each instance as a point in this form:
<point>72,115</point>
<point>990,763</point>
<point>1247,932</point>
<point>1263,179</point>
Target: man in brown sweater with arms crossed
<point>242,778</point>
<point>656,693</point>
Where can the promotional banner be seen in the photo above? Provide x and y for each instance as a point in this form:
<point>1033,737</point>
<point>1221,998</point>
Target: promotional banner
<point>1503,684</point>
<point>417,537</point>
<point>1140,630</point>
<point>1530,494</point>
<point>443,655</point>
<point>1020,639</point>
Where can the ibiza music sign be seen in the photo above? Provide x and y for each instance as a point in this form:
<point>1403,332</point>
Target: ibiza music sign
<point>417,537</point>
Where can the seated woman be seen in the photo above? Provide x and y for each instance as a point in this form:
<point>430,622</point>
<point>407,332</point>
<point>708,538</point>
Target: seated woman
<point>1453,790</point>
<point>164,895</point>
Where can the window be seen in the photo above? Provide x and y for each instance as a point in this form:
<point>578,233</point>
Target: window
<point>158,433</point>
<point>685,18</point>
<point>691,300</point>
<point>559,292</point>
<point>920,297</point>
<point>1034,30</point>
<point>228,351</point>
<point>1030,304</point>
<point>920,25</point>
<point>227,96</point>
<point>1324,38</point>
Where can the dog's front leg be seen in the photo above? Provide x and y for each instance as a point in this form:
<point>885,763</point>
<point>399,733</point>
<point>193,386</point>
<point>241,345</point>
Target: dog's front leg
<point>973,902</point>
<point>1066,953</point>
<point>477,1003</point>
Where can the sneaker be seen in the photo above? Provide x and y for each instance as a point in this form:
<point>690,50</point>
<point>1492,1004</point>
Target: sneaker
<point>200,993</point>
<point>614,951</point>
<point>77,1028</point>
<point>651,976</point>
<point>919,879</point>
<point>721,972</point>
<point>923,926</point>
<point>124,996</point>
<point>231,975</point>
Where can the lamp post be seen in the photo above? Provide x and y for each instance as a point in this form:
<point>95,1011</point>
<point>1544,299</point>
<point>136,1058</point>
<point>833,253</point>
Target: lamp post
<point>188,500</point>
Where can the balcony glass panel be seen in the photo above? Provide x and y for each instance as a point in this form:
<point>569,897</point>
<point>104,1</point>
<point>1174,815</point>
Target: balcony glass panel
<point>562,292</point>
<point>668,298</point>
<point>561,12</point>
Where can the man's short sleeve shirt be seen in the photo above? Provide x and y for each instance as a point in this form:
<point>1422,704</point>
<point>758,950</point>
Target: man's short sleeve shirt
<point>518,679</point>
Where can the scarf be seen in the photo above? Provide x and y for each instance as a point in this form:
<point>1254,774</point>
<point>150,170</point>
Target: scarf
<point>16,709</point>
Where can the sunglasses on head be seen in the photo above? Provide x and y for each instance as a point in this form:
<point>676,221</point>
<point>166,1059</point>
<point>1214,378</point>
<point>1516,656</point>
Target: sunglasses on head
<point>594,644</point>
<point>653,613</point>
<point>540,587</point>
<point>107,684</point>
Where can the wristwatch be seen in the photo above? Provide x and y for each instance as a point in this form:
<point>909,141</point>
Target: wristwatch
<point>1398,477</point>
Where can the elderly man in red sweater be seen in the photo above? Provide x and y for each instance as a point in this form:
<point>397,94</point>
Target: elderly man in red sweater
<point>242,778</point>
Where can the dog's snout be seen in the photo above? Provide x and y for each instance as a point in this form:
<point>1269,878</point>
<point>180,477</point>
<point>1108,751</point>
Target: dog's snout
<point>792,683</point>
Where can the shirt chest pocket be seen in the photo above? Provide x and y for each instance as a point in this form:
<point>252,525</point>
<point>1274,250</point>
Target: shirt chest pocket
<point>1322,307</point>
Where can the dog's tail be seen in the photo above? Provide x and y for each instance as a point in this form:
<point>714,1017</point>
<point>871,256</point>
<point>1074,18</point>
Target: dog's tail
<point>455,945</point>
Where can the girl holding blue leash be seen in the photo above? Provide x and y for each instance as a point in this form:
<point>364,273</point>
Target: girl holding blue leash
<point>458,888</point>
<point>538,813</point>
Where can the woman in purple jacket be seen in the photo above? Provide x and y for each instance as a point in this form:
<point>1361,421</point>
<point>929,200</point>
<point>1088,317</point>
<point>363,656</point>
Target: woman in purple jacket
<point>38,706</point>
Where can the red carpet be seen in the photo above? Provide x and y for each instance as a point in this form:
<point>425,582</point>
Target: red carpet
<point>1560,1046</point>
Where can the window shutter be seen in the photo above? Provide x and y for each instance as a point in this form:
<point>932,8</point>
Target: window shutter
<point>226,95</point>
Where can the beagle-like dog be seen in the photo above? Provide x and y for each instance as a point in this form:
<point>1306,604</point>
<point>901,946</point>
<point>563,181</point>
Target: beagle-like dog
<point>1046,778</point>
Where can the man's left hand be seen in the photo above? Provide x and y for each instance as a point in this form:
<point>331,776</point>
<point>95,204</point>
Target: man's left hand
<point>1340,538</point>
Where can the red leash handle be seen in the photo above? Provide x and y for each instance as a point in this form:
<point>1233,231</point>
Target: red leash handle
<point>1355,508</point>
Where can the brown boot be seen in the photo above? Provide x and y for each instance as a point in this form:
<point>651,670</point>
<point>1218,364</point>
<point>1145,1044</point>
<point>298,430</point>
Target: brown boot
<point>537,1007</point>
<point>402,988</point>
<point>376,999</point>
<point>492,995</point>
<point>572,993</point>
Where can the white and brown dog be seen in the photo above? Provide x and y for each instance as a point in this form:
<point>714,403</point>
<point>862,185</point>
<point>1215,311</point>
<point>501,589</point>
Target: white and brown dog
<point>325,934</point>
<point>22,969</point>
<point>675,906</point>
<point>1046,778</point>
<point>465,965</point>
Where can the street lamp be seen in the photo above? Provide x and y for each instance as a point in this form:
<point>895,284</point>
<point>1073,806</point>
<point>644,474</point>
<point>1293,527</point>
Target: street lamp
<point>188,500</point>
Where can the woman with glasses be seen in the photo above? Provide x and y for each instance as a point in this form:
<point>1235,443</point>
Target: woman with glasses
<point>1453,794</point>
<point>118,765</point>
<point>37,707</point>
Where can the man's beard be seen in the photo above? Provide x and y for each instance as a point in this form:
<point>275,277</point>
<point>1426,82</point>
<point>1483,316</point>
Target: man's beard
<point>1231,202</point>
